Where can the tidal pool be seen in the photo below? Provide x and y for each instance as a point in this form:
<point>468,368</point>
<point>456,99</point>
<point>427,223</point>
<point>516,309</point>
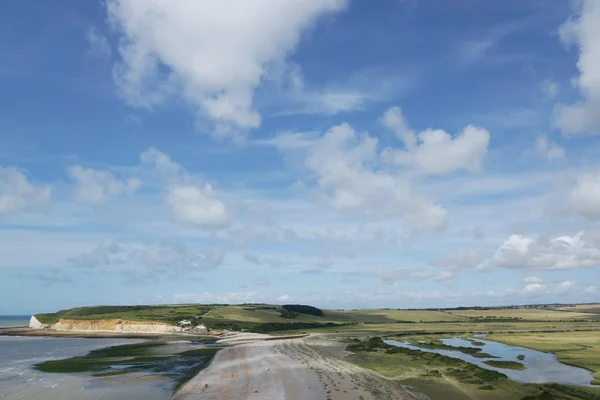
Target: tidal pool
<point>540,367</point>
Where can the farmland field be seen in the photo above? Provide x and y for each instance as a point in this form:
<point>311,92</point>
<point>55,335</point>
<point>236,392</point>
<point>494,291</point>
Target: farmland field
<point>539,314</point>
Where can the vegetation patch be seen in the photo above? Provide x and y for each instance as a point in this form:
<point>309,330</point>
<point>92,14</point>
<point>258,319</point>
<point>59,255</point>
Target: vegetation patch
<point>506,364</point>
<point>303,309</point>
<point>521,357</point>
<point>170,314</point>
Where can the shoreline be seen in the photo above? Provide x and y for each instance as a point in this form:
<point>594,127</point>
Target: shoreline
<point>30,332</point>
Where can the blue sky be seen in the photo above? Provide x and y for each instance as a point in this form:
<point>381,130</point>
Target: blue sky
<point>409,153</point>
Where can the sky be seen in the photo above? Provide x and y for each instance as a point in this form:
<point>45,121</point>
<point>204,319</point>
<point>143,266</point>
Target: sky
<point>339,153</point>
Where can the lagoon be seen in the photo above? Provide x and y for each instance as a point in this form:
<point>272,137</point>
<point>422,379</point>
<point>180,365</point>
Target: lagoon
<point>540,367</point>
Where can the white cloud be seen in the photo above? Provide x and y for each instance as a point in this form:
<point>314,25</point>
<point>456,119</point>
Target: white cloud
<point>213,298</point>
<point>585,195</point>
<point>591,290</point>
<point>548,150</point>
<point>533,279</point>
<point>213,53</point>
<point>94,186</point>
<point>438,153</point>
<point>565,286</point>
<point>343,163</point>
<point>549,88</point>
<point>534,287</point>
<point>147,261</point>
<point>197,206</point>
<point>582,118</point>
<point>17,192</point>
<point>98,44</point>
<point>564,252</point>
<point>394,120</point>
<point>463,259</point>
<point>396,275</point>
<point>161,166</point>
<point>190,201</point>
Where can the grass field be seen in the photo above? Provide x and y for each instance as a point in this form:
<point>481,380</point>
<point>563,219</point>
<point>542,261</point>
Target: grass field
<point>580,349</point>
<point>169,314</point>
<point>584,308</point>
<point>537,314</point>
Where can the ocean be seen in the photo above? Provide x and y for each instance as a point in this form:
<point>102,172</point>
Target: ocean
<point>14,320</point>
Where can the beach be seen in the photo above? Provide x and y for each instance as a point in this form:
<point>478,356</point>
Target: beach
<point>295,369</point>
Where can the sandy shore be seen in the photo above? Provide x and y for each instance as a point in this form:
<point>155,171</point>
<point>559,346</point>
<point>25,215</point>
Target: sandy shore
<point>294,369</point>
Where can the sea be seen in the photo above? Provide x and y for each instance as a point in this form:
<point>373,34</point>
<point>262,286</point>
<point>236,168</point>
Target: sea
<point>8,321</point>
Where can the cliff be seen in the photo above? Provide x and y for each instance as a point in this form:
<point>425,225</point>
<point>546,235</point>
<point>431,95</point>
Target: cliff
<point>111,326</point>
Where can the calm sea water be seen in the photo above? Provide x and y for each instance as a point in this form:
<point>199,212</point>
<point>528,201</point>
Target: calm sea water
<point>18,380</point>
<point>14,320</point>
<point>541,367</point>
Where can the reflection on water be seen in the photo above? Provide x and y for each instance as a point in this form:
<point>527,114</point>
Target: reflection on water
<point>18,380</point>
<point>541,367</point>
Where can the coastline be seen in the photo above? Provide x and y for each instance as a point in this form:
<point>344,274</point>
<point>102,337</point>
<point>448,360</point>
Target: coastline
<point>31,332</point>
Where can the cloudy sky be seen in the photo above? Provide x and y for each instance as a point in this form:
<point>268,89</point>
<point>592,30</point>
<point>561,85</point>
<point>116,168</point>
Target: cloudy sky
<point>342,153</point>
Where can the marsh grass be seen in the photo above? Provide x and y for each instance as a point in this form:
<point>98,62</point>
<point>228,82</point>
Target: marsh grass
<point>506,364</point>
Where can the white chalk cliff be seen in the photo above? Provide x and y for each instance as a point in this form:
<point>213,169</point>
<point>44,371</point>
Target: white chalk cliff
<point>113,326</point>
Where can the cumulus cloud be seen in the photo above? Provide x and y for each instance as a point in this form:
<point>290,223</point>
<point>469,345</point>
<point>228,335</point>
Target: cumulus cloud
<point>534,287</point>
<point>17,192</point>
<point>435,151</point>
<point>555,253</point>
<point>343,163</point>
<point>585,195</point>
<point>439,153</point>
<point>551,151</point>
<point>212,53</point>
<point>197,206</point>
<point>565,286</point>
<point>94,186</point>
<point>148,260</point>
<point>583,31</point>
<point>190,201</point>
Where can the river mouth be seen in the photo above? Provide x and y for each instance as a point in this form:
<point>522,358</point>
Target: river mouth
<point>111,369</point>
<point>517,363</point>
